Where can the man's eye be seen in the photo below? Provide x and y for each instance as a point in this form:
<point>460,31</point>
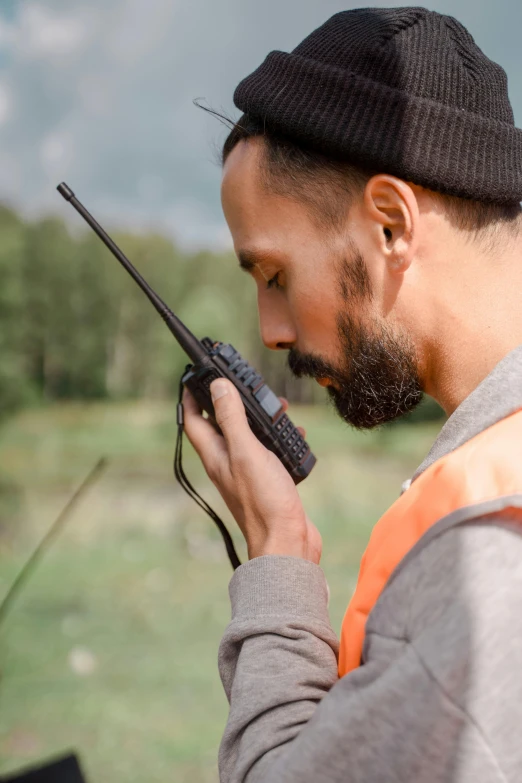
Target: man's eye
<point>274,282</point>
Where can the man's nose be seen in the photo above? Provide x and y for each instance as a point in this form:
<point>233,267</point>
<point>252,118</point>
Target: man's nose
<point>277,330</point>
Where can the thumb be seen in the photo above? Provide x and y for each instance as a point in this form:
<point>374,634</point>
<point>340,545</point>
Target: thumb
<point>230,413</point>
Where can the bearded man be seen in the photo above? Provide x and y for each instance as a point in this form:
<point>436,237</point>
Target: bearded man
<point>372,188</point>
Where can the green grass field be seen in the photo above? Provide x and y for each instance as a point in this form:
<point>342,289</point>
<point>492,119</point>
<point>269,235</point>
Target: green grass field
<point>111,649</point>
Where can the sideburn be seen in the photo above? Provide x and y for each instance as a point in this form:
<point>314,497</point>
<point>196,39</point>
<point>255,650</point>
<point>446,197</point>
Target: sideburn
<point>354,279</point>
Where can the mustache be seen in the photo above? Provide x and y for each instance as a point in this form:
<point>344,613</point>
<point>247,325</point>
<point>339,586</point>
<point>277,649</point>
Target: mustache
<point>306,365</point>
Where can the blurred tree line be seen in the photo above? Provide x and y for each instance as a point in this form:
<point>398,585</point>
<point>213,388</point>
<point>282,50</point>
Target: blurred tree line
<point>74,325</point>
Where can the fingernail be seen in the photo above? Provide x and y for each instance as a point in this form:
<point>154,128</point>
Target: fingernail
<point>218,389</point>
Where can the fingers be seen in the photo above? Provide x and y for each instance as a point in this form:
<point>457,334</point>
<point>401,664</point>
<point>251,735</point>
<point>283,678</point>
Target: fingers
<point>208,443</point>
<point>231,415</point>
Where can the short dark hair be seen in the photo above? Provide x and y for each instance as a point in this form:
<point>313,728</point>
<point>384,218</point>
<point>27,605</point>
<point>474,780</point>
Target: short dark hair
<point>328,185</point>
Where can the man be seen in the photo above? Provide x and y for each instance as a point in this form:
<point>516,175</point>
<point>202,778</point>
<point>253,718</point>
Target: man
<point>372,189</point>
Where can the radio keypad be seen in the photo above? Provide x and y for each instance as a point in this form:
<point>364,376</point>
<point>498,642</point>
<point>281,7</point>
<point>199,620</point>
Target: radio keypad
<point>286,431</point>
<point>281,423</point>
<point>292,438</point>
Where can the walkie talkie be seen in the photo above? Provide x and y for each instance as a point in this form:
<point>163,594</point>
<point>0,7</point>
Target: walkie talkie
<point>213,359</point>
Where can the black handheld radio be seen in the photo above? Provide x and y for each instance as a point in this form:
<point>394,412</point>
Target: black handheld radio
<point>213,360</point>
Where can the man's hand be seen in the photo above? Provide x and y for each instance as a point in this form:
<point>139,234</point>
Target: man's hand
<point>251,480</point>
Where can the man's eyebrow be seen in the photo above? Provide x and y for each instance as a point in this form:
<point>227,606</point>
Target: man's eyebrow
<point>250,259</point>
<point>247,260</point>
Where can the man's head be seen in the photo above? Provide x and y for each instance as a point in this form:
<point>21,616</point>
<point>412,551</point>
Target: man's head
<point>351,262</point>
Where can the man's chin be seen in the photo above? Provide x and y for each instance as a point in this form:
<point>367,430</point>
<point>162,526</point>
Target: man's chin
<point>365,416</point>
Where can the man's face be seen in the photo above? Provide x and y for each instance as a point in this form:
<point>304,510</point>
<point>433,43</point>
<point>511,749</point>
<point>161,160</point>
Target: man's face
<point>316,298</point>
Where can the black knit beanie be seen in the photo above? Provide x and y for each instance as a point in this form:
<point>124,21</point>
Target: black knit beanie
<point>404,91</point>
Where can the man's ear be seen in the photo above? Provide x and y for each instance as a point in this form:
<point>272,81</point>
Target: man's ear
<point>392,205</point>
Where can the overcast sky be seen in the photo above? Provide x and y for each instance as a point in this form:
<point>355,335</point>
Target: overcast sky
<point>99,93</point>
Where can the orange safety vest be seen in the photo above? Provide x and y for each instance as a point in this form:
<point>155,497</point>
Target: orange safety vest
<point>486,468</point>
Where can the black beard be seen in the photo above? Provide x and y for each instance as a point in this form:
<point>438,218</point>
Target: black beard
<point>378,380</point>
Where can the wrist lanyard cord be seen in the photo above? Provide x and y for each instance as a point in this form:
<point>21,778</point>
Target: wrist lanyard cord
<point>191,492</point>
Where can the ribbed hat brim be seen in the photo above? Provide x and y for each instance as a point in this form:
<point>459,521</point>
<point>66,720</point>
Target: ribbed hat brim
<point>422,141</point>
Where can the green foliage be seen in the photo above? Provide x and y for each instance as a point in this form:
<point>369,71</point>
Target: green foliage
<point>73,325</point>
<point>15,383</point>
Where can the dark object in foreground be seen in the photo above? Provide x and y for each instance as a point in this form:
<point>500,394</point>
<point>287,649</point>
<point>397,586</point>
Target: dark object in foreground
<point>212,359</point>
<point>65,770</point>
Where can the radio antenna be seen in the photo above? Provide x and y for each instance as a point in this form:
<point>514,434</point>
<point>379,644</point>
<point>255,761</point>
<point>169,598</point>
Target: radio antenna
<point>190,344</point>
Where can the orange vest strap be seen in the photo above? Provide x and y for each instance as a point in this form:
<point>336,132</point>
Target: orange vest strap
<point>487,467</point>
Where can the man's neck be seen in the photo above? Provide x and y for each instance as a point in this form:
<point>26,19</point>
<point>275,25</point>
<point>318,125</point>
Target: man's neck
<point>477,321</point>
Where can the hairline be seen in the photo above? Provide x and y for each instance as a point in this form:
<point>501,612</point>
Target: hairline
<point>484,223</point>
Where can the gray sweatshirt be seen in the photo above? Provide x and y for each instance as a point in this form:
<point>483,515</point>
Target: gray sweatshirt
<point>439,694</point>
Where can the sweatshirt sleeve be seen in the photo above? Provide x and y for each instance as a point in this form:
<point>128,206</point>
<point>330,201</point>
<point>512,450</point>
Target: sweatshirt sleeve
<point>277,659</point>
<point>409,712</point>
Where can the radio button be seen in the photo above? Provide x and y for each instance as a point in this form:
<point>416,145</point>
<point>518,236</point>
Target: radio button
<point>280,423</point>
